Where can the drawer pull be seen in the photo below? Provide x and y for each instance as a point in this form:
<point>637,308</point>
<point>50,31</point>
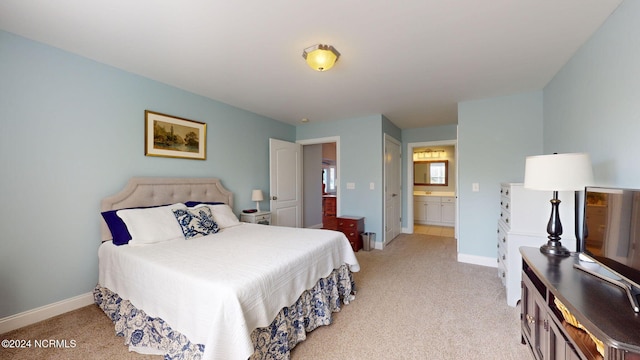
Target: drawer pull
<point>504,240</point>
<point>531,319</point>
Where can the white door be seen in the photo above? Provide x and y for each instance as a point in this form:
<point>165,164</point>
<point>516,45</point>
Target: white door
<point>392,195</point>
<point>285,188</point>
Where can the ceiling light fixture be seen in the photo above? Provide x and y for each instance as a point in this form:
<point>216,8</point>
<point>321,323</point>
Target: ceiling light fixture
<point>321,57</point>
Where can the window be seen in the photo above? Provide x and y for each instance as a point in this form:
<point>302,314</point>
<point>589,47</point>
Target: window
<point>329,178</point>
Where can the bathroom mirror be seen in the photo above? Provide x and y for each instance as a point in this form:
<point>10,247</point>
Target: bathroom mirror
<point>432,173</point>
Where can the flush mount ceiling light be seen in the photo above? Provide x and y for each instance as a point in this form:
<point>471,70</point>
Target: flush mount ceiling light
<point>321,57</point>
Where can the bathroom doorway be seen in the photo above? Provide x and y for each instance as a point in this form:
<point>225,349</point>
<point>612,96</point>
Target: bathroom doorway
<point>432,206</point>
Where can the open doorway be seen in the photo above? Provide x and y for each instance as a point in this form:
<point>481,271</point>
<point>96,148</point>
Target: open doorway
<point>321,171</point>
<point>432,180</point>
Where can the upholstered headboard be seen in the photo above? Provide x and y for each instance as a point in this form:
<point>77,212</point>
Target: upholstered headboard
<point>149,191</point>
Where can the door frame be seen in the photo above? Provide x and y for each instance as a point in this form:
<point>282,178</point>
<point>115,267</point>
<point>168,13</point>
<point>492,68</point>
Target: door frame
<point>409,165</point>
<point>324,140</point>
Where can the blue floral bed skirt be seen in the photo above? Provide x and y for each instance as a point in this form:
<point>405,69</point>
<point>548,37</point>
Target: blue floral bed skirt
<point>313,308</point>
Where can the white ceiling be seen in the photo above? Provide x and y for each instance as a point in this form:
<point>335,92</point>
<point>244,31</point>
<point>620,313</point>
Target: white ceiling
<point>410,60</point>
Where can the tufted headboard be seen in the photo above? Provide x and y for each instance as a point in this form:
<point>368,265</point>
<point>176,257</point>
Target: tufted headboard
<point>150,191</point>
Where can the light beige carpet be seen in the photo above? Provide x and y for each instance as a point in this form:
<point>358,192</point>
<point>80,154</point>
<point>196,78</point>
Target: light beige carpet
<point>414,301</point>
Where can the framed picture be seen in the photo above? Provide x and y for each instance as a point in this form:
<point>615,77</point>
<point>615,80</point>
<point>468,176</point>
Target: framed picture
<point>170,136</point>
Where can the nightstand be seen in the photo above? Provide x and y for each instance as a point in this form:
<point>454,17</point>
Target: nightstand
<point>352,227</point>
<point>260,217</point>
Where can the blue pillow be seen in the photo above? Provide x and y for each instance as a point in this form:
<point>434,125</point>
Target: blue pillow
<point>118,228</point>
<point>194,203</point>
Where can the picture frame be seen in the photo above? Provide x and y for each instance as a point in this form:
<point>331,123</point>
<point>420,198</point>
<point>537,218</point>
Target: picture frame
<point>174,137</point>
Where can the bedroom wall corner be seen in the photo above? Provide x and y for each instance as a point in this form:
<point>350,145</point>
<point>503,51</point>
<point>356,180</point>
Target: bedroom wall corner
<point>73,133</point>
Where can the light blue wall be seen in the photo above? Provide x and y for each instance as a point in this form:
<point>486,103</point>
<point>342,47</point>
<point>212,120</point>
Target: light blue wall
<point>391,129</point>
<point>494,137</point>
<point>431,133</point>
<point>361,161</point>
<point>593,103</point>
<point>71,133</point>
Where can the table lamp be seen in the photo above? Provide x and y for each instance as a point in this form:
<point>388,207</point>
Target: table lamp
<point>557,172</point>
<point>256,195</point>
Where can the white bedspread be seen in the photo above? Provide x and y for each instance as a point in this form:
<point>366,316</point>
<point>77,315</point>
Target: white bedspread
<point>217,289</point>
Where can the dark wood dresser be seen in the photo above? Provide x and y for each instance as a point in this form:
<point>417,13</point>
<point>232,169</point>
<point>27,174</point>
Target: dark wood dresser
<point>352,227</point>
<point>329,220</point>
<point>553,288</point>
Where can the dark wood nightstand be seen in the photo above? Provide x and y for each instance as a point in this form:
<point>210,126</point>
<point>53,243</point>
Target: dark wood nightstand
<point>352,227</point>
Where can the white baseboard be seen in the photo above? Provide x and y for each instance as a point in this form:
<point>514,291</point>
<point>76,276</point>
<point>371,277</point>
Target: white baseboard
<point>317,226</point>
<point>478,260</point>
<point>33,316</point>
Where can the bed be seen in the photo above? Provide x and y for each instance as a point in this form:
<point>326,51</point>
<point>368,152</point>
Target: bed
<point>245,291</point>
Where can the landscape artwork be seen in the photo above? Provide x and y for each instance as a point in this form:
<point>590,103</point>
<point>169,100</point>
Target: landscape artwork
<point>170,136</point>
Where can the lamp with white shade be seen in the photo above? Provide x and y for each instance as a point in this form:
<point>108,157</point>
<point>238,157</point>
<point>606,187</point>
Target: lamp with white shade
<point>557,172</point>
<point>256,195</point>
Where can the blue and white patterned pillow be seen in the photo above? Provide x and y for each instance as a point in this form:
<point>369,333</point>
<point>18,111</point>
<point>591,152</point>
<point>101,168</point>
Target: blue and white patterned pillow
<point>196,222</point>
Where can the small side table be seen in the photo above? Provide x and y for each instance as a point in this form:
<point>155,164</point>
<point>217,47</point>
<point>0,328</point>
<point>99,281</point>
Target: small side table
<point>260,217</point>
<point>352,227</point>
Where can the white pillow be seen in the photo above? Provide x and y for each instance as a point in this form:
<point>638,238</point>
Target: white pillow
<point>223,215</point>
<point>152,225</point>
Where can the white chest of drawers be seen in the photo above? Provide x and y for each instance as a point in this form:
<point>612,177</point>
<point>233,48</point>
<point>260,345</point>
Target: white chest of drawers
<point>524,215</point>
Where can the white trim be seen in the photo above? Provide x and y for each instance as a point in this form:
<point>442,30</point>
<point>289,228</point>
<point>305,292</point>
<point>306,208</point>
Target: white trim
<point>33,316</point>
<point>478,260</point>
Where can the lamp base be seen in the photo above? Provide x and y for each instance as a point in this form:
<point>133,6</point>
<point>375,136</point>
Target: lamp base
<point>554,248</point>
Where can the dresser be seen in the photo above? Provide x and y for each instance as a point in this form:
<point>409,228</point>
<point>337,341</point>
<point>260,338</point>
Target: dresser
<point>329,220</point>
<point>352,227</point>
<point>523,219</point>
<point>555,295</point>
